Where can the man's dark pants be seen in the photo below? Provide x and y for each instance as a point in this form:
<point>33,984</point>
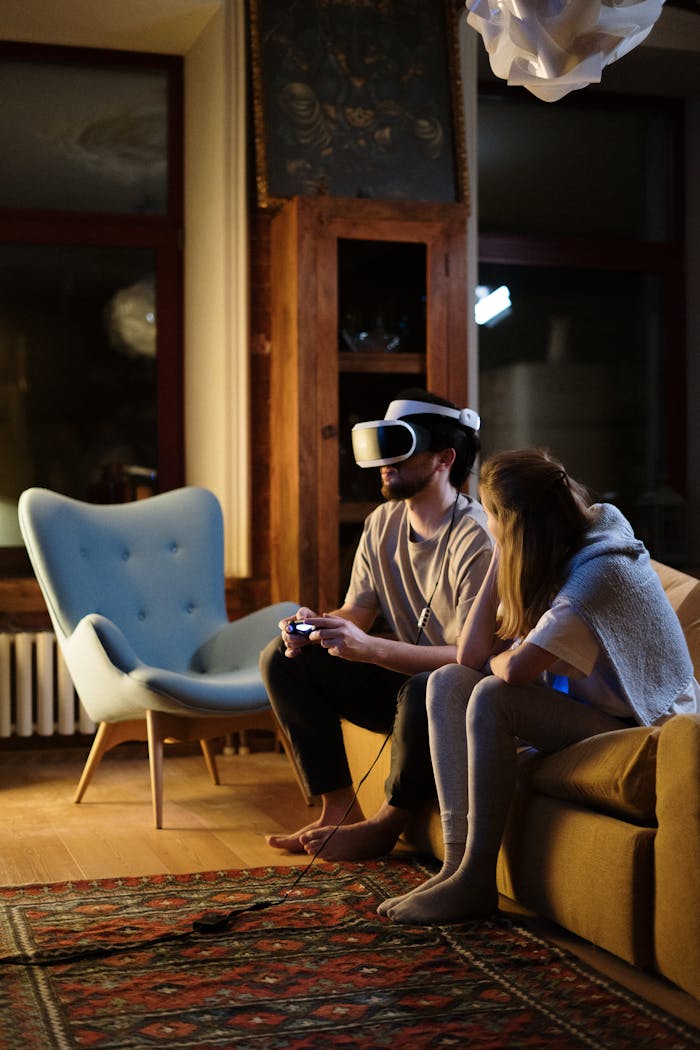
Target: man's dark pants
<point>313,691</point>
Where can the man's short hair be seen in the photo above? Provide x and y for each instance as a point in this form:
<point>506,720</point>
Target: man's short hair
<point>446,433</point>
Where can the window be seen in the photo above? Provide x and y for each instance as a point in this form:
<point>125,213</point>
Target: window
<point>90,277</point>
<point>579,219</point>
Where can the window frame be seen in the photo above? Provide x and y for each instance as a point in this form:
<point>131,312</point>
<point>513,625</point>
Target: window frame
<point>162,234</point>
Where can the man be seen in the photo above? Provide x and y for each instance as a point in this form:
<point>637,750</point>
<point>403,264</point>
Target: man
<point>417,569</point>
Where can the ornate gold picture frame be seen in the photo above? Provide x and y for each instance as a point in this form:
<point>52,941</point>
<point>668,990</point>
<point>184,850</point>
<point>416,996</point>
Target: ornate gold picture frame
<point>357,98</point>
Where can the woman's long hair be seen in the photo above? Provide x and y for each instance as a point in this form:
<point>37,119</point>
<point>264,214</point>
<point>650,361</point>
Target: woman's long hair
<point>542,515</point>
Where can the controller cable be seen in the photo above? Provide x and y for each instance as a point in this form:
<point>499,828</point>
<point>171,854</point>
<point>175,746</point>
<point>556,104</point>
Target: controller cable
<point>212,922</point>
<point>208,923</point>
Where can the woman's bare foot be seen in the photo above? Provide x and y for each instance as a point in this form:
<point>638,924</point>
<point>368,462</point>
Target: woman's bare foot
<point>361,840</point>
<point>454,853</point>
<point>456,899</point>
<point>386,906</point>
<point>338,807</point>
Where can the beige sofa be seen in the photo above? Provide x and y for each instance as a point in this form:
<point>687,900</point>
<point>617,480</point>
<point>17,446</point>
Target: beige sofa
<point>603,837</point>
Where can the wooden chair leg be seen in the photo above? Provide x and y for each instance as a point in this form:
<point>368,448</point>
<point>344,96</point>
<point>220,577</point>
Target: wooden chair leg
<point>210,759</point>
<point>99,745</point>
<point>155,761</point>
<point>108,736</point>
<point>156,728</point>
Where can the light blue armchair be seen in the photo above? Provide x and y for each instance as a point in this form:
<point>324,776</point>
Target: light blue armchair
<point>136,596</point>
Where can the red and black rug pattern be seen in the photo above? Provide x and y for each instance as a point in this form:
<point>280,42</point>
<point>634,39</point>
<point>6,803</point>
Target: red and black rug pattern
<point>116,964</point>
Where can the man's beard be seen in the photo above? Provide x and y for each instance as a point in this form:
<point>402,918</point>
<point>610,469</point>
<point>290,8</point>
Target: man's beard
<point>404,488</point>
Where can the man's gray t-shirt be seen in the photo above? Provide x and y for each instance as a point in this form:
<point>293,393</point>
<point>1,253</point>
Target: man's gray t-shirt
<point>394,574</point>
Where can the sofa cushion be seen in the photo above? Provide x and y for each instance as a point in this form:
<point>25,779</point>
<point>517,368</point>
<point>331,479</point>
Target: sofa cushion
<point>614,773</point>
<point>683,592</point>
<point>677,853</point>
<point>584,870</point>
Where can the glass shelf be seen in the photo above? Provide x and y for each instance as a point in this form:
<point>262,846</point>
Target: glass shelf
<point>409,364</point>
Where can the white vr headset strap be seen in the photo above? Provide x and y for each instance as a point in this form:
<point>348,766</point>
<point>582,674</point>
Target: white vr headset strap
<point>403,407</point>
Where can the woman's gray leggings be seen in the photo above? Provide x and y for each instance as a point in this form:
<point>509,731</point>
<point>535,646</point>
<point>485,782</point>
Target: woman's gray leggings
<point>476,723</point>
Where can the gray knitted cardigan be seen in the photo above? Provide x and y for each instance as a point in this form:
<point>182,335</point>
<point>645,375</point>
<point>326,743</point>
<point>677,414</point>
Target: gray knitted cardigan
<point>612,585</point>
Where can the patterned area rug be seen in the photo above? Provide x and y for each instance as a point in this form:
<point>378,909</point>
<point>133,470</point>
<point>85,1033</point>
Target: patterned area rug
<point>319,970</point>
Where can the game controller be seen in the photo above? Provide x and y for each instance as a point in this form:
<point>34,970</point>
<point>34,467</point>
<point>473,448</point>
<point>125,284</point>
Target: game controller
<point>299,627</point>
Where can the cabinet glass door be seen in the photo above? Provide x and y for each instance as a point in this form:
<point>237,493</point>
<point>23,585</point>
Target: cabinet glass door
<point>381,351</point>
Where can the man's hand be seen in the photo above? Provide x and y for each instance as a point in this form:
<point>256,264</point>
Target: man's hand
<point>342,638</point>
<point>294,643</point>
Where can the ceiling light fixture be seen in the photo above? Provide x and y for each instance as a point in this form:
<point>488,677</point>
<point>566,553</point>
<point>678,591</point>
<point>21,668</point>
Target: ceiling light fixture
<point>552,47</point>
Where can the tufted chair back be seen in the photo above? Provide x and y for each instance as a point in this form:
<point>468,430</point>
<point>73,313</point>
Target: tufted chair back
<point>136,595</point>
<point>155,568</point>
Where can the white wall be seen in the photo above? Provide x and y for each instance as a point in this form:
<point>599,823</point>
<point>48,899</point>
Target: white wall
<point>164,26</point>
<point>217,445</point>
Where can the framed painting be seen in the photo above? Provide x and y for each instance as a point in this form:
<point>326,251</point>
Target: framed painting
<point>357,98</point>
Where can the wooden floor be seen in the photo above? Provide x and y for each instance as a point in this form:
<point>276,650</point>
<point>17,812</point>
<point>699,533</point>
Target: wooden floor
<point>111,832</point>
<point>46,838</point>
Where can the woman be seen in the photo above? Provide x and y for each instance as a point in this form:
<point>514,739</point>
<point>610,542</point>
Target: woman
<point>575,589</point>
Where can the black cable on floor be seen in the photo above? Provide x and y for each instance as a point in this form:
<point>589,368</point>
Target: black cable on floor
<point>209,923</point>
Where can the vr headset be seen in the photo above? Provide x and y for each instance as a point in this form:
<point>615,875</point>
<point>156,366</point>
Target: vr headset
<point>393,439</point>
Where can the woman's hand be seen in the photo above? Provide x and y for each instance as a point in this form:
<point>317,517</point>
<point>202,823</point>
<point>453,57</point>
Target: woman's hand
<point>521,665</point>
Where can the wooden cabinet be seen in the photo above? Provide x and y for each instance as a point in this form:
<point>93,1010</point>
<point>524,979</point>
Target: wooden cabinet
<point>368,298</point>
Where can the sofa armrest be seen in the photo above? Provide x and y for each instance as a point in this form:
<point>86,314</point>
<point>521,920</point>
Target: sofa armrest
<point>677,853</point>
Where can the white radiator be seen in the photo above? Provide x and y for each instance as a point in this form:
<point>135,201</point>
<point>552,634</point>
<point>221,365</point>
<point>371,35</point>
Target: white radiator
<point>36,692</point>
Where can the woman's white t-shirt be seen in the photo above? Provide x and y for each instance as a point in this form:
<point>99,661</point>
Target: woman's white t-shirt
<point>561,632</point>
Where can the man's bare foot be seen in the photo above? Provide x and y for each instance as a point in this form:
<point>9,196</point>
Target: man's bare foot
<point>335,810</point>
<point>455,899</point>
<point>361,840</point>
<point>291,843</point>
